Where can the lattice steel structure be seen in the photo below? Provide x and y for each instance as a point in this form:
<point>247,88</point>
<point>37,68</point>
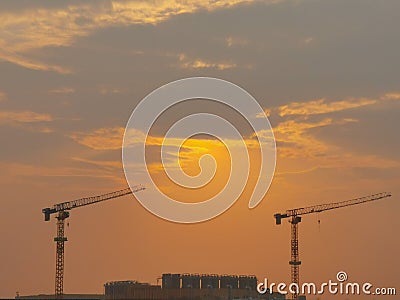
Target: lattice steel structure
<point>62,213</point>
<point>294,214</point>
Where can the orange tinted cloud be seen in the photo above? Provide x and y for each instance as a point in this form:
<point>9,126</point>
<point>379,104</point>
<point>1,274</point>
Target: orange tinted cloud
<point>392,96</point>
<point>3,96</point>
<point>62,91</point>
<point>16,172</point>
<point>101,139</point>
<point>24,117</point>
<point>109,90</point>
<point>30,63</point>
<point>295,140</point>
<point>297,144</point>
<point>186,63</point>
<point>31,29</point>
<point>236,41</point>
<point>111,139</point>
<point>187,157</point>
<point>109,164</point>
<point>320,106</point>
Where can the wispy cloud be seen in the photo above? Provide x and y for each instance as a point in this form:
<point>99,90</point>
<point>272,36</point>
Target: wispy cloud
<point>109,164</point>
<point>3,96</point>
<point>303,152</point>
<point>15,170</point>
<point>236,41</point>
<point>308,40</point>
<point>187,63</point>
<point>37,28</point>
<point>392,96</point>
<point>105,90</point>
<point>100,139</point>
<point>112,138</point>
<point>24,117</point>
<point>295,140</point>
<point>298,143</point>
<point>29,63</point>
<point>321,106</point>
<point>62,91</point>
<point>294,134</point>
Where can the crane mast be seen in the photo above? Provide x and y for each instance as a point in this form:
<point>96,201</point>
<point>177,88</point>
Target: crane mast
<point>60,239</point>
<point>62,211</point>
<point>295,219</point>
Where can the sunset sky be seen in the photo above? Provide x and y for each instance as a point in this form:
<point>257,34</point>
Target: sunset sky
<point>327,74</point>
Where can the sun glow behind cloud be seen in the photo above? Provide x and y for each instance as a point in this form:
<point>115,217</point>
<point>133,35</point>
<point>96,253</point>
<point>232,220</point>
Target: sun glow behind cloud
<point>294,135</point>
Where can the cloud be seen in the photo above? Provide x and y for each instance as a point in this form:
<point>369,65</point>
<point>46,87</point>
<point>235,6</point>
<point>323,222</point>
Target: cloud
<point>30,29</point>
<point>3,96</point>
<point>30,63</point>
<point>320,106</point>
<point>45,130</point>
<point>297,144</point>
<point>100,139</point>
<point>62,91</point>
<point>103,90</point>
<point>308,40</point>
<point>24,117</point>
<point>112,138</point>
<point>109,164</point>
<point>186,63</point>
<point>294,140</point>
<point>392,96</point>
<point>236,41</point>
<point>19,170</point>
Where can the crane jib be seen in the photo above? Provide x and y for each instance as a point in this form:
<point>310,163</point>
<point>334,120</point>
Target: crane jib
<point>62,213</point>
<point>329,206</point>
<point>68,205</point>
<point>295,219</point>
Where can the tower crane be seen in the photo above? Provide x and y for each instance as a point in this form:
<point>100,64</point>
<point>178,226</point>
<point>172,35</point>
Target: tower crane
<point>62,211</point>
<point>295,219</point>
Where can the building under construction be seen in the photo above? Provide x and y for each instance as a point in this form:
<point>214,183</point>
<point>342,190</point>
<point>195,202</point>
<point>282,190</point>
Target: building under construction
<point>187,286</point>
<point>175,287</point>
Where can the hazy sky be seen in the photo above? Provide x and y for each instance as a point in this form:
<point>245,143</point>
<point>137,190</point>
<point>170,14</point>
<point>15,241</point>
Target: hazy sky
<point>326,72</point>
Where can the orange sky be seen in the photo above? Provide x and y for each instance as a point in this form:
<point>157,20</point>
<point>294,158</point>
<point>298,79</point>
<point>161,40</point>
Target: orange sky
<point>71,73</point>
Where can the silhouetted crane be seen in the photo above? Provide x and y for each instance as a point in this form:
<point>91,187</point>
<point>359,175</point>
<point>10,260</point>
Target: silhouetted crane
<point>294,214</point>
<point>62,211</point>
